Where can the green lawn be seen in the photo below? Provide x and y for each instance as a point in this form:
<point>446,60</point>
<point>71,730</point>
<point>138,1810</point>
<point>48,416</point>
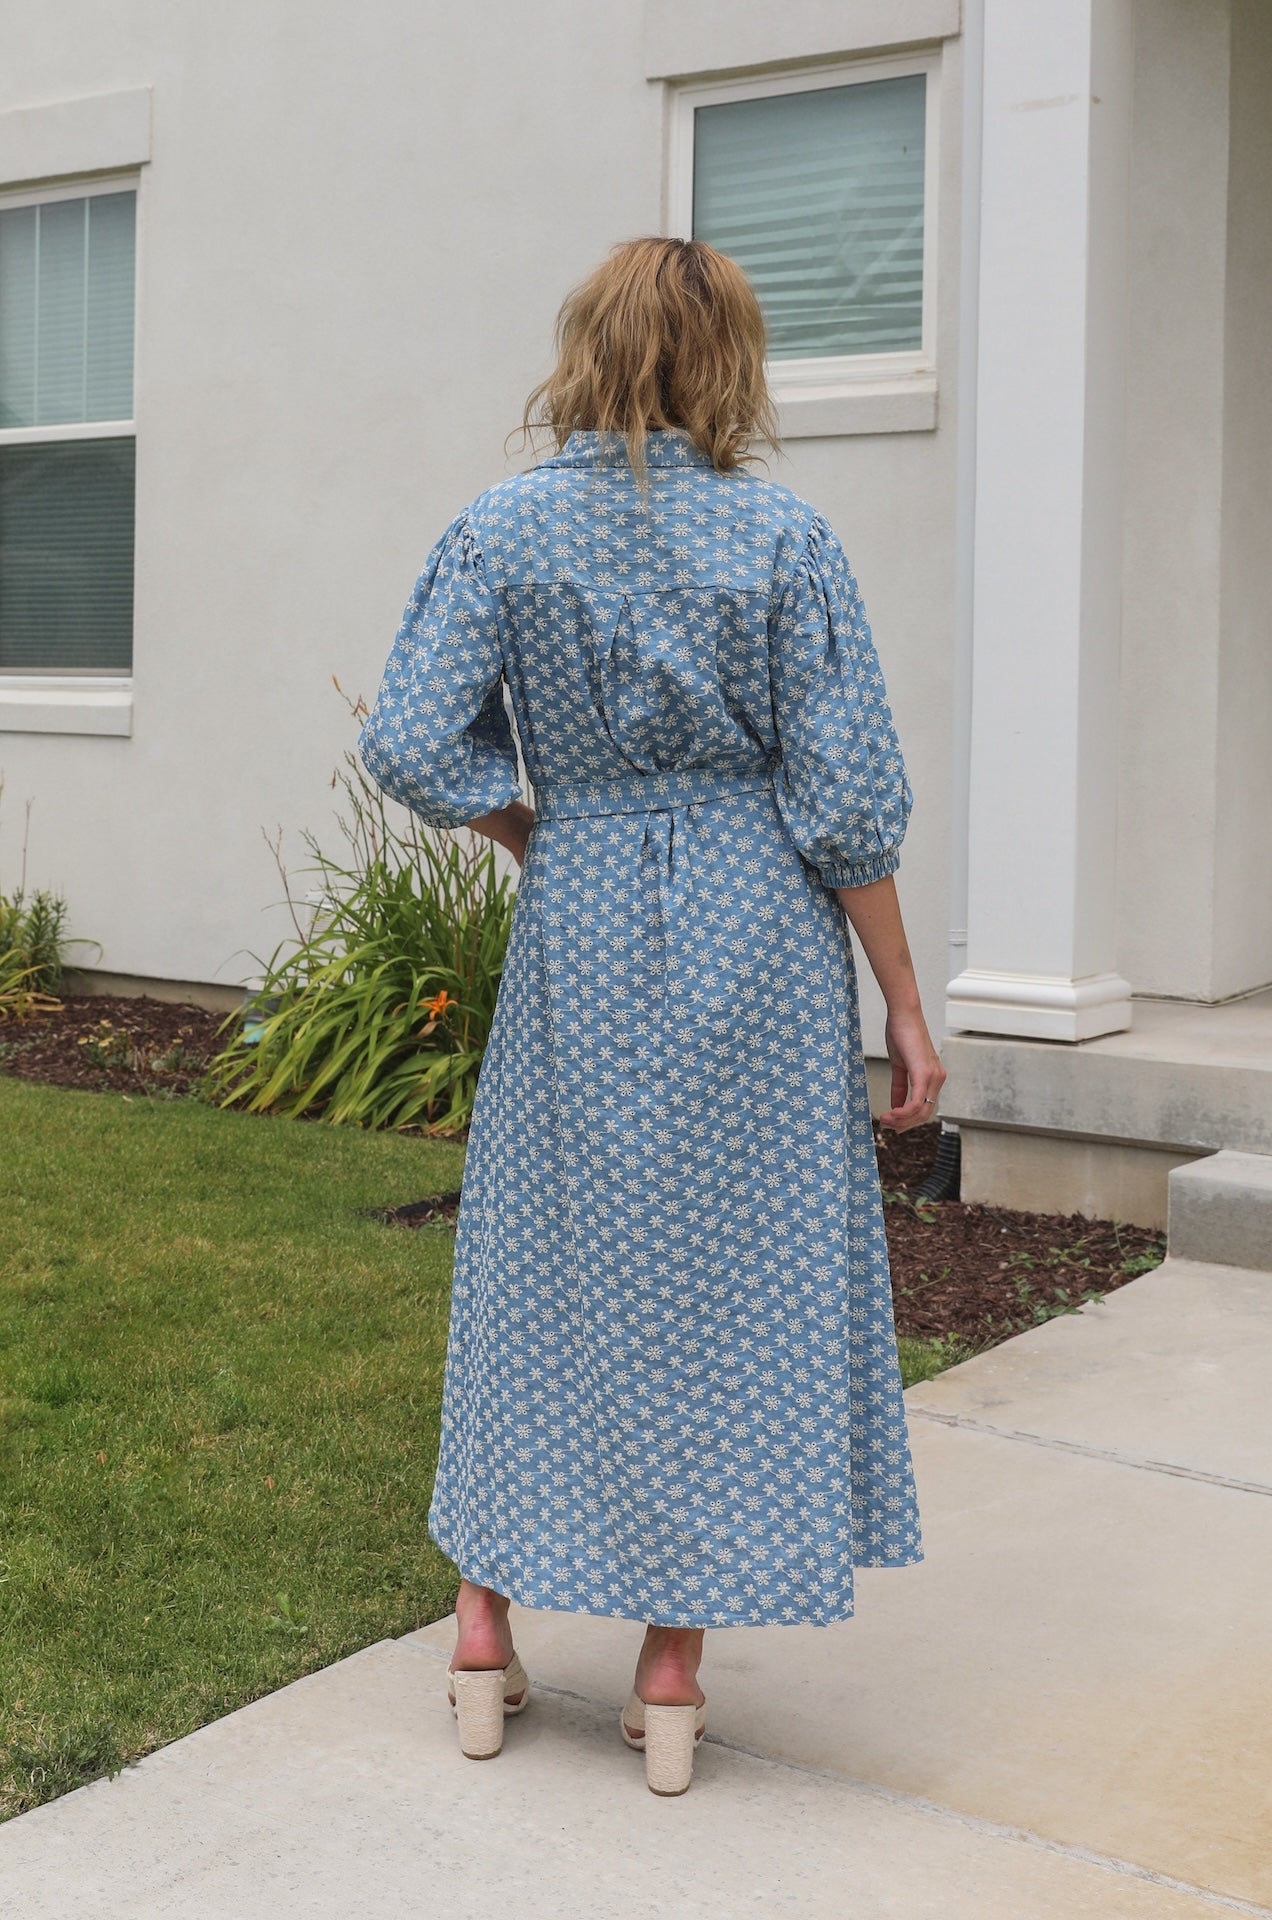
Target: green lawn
<point>220,1392</point>
<point>219,1398</point>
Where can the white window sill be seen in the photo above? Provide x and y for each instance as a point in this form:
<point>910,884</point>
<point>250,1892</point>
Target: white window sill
<point>906,404</point>
<point>83,704</point>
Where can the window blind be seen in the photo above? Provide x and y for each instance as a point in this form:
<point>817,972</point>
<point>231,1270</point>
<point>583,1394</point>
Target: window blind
<point>66,505</point>
<point>818,196</point>
<point>66,556</point>
<point>66,311</point>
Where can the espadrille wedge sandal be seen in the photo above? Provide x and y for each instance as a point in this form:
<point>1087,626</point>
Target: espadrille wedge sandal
<point>482,1698</point>
<point>668,1737</point>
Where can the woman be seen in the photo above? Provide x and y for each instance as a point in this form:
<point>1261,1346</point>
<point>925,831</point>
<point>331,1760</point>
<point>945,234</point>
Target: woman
<point>672,1391</point>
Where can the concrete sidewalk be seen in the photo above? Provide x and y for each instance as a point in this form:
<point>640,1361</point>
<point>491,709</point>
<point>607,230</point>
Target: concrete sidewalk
<point>1065,1710</point>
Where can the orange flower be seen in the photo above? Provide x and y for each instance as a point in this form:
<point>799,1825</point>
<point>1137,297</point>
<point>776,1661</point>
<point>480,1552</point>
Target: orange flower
<point>438,1005</point>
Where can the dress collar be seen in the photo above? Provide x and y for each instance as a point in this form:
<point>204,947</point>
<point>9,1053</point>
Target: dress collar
<point>664,447</point>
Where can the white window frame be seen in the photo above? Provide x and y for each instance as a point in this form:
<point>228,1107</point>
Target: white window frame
<point>834,393</point>
<point>82,699</point>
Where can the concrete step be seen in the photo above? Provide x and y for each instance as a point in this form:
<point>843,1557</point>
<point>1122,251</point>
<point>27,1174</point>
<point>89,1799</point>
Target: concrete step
<point>1098,1126</point>
<point>1220,1209</point>
<point>1186,1077</point>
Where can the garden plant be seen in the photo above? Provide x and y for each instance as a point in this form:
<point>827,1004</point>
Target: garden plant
<point>33,946</point>
<point>377,1013</point>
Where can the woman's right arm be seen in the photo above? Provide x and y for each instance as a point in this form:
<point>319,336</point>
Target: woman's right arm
<point>917,1074</point>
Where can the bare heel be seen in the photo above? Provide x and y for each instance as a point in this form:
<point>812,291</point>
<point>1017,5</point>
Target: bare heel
<point>669,1748</point>
<point>479,1708</point>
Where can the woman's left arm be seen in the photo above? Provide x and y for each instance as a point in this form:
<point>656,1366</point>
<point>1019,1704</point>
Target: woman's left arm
<point>874,913</point>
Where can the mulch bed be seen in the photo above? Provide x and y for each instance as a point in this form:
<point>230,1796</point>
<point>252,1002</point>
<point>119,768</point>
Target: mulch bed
<point>981,1273</point>
<point>109,1044</point>
<point>987,1272</point>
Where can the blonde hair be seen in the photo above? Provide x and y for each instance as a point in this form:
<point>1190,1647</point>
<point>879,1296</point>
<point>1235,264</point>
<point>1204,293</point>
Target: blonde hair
<point>664,333</point>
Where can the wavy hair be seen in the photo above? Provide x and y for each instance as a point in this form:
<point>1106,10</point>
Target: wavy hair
<point>664,333</point>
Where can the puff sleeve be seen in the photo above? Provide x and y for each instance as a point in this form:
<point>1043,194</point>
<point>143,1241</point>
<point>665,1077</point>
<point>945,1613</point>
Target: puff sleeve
<point>438,737</point>
<point>841,784</point>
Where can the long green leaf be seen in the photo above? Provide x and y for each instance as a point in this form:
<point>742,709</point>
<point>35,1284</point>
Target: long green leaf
<point>407,913</point>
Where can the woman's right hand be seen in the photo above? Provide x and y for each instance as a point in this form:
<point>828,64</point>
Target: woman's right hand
<point>917,1073</point>
<point>510,826</point>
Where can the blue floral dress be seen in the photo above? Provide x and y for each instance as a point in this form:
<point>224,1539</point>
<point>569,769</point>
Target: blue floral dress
<point>672,1390</point>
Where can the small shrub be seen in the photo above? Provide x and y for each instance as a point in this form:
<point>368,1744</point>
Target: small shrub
<point>33,944</point>
<point>34,930</point>
<point>19,996</point>
<point>378,1014</point>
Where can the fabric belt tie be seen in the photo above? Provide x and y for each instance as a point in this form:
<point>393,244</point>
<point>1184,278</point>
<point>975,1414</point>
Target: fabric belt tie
<point>679,983</point>
<point>642,792</point>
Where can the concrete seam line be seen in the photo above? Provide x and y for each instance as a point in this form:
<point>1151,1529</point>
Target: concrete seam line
<point>972,1425</point>
<point>1129,1869</point>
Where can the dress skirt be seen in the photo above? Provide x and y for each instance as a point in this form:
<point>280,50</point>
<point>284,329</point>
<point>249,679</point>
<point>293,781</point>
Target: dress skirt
<point>672,1390</point>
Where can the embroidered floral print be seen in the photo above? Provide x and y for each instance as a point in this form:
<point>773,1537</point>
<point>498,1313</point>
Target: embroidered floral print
<point>672,1389</point>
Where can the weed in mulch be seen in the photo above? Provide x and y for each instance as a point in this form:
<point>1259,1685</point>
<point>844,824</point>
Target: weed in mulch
<point>109,1043</point>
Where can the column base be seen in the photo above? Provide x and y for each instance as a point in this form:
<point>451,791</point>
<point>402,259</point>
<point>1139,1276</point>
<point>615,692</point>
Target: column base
<point>1038,1006</point>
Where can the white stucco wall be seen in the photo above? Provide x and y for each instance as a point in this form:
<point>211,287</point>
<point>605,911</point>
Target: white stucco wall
<point>1195,797</point>
<point>354,234</point>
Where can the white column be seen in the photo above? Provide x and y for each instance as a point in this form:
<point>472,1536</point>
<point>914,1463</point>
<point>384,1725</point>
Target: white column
<point>1048,535</point>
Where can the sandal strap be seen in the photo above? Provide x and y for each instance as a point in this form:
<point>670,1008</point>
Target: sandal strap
<point>634,1714</point>
<point>516,1679</point>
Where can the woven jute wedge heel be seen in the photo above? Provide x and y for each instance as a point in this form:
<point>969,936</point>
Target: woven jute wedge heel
<point>670,1745</point>
<point>482,1699</point>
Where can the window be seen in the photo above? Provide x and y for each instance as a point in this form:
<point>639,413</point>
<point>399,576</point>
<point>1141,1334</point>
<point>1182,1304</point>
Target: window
<point>821,186</point>
<point>67,438</point>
